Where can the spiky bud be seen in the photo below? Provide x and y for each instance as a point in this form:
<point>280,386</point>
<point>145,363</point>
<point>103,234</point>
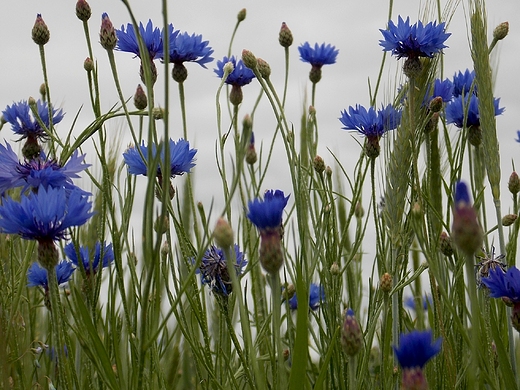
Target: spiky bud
<point>249,59</point>
<point>509,219</point>
<point>436,104</point>
<point>88,64</point>
<point>236,96</point>
<point>165,249</point>
<point>263,68</point>
<point>158,113</point>
<point>179,73</point>
<point>83,11</point>
<point>501,31</point>
<point>432,124</point>
<point>475,135</point>
<point>385,283</point>
<point>445,244</point>
<point>412,67</point>
<point>223,234</point>
<point>319,165</point>
<point>514,183</point>
<point>351,334</point>
<point>289,292</point>
<point>251,156</point>
<point>315,74</point>
<point>285,36</point>
<point>271,253</point>
<point>140,99</point>
<point>107,34</point>
<point>466,231</point>
<point>40,31</point>
<point>241,16</point>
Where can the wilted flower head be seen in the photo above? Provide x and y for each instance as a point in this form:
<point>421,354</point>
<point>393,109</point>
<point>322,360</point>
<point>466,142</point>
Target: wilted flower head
<point>267,213</point>
<point>214,270</point>
<point>152,37</point>
<point>37,275</point>
<point>90,263</point>
<point>413,41</point>
<point>316,297</point>
<point>25,124</point>
<point>416,348</point>
<point>240,76</point>
<point>182,158</point>
<point>45,216</point>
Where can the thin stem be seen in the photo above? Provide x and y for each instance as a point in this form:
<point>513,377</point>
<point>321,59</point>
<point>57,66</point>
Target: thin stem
<point>279,376</point>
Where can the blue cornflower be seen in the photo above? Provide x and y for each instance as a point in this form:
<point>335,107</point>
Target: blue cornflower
<point>37,172</point>
<point>503,284</point>
<point>416,348</point>
<point>185,47</point>
<point>182,158</point>
<point>463,83</point>
<point>319,55</point>
<point>370,123</point>
<point>316,297</point>
<point>241,74</point>
<point>37,275</point>
<point>45,216</point>
<point>24,124</point>
<point>90,264</point>
<point>267,213</point>
<point>517,136</point>
<point>462,113</point>
<point>409,302</point>
<point>214,272</point>
<point>152,38</point>
<point>441,89</point>
<point>413,41</point>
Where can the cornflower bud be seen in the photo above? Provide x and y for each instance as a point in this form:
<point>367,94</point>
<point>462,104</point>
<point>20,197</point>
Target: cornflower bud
<point>385,283</point>
<point>358,211</point>
<point>88,64</point>
<point>514,183</point>
<point>251,156</point>
<point>328,171</point>
<point>445,244</point>
<point>285,36</point>
<point>83,11</point>
<point>158,113</point>
<point>140,100</point>
<point>319,165</point>
<point>43,90</point>
<point>501,31</point>
<point>263,68</point>
<point>107,34</point>
<point>509,219</point>
<point>334,269</point>
<point>40,31</point>
<point>161,225</point>
<point>223,234</point>
<point>351,334</point>
<point>466,231</point>
<point>436,104</point>
<point>249,59</point>
<point>241,15</point>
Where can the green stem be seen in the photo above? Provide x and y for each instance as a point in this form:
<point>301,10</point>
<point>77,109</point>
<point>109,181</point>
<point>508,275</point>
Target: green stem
<point>279,375</point>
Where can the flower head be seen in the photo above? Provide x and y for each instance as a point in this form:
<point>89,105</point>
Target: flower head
<point>152,38</point>
<point>319,55</point>
<point>413,41</point>
<point>37,275</point>
<point>368,122</point>
<point>24,124</point>
<point>464,111</point>
<point>267,213</point>
<point>442,89</point>
<point>185,47</point>
<point>214,271</point>
<point>316,297</point>
<point>416,348</point>
<point>503,284</point>
<point>182,158</point>
<point>90,263</point>
<point>463,83</point>
<point>240,76</point>
<point>45,216</point>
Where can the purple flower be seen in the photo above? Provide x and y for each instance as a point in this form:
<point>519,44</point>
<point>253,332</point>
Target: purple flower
<point>152,37</point>
<point>319,55</point>
<point>182,158</point>
<point>368,122</point>
<point>416,348</point>
<point>503,284</point>
<point>464,112</point>
<point>214,272</point>
<point>267,213</point>
<point>90,263</point>
<point>37,275</point>
<point>46,215</point>
<point>413,41</point>
<point>316,297</point>
<point>426,300</point>
<point>442,89</point>
<point>517,136</point>
<point>241,74</point>
<point>25,124</point>
<point>463,83</point>
<point>185,47</point>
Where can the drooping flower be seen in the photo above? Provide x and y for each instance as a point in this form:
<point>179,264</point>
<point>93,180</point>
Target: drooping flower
<point>466,231</point>
<point>24,124</point>
<point>413,41</point>
<point>267,213</point>
<point>37,275</point>
<point>90,263</point>
<point>371,124</point>
<point>45,216</point>
<point>241,74</point>
<point>152,37</point>
<point>324,54</point>
<point>316,297</point>
<point>214,272</point>
<point>182,158</point>
<point>37,172</point>
<point>463,83</point>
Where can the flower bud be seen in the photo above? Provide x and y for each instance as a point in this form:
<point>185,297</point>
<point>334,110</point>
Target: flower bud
<point>228,68</point>
<point>351,334</point>
<point>515,316</point>
<point>251,156</point>
<point>107,34</point>
<point>140,100</point>
<point>158,113</point>
<point>385,283</point>
<point>88,64</point>
<point>285,36</point>
<point>223,234</point>
<point>40,31</point>
<point>263,68</point>
<point>236,96</point>
<point>165,248</point>
<point>436,104</point>
<point>83,11</point>
<point>241,15</point>
<point>319,165</point>
<point>179,73</point>
<point>445,244</point>
<point>289,292</point>
<point>328,171</point>
<point>514,183</point>
<point>271,253</point>
<point>249,59</point>
<point>334,269</point>
<point>509,219</point>
<point>358,211</point>
<point>466,231</point>
<point>501,31</point>
<point>43,90</point>
<point>161,225</point>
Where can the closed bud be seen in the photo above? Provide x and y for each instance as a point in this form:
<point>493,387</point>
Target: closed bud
<point>165,249</point>
<point>515,316</point>
<point>358,211</point>
<point>249,59</point>
<point>334,269</point>
<point>251,156</point>
<point>236,96</point>
<point>179,73</point>
<point>501,31</point>
<point>466,231</point>
<point>140,100</point>
<point>328,171</point>
<point>514,183</point>
<point>385,283</point>
<point>158,113</point>
<point>107,34</point>
<point>223,234</point>
<point>241,15</point>
<point>509,219</point>
<point>228,68</point>
<point>271,252</point>
<point>288,292</point>
<point>445,244</point>
<point>161,225</point>
<point>285,37</point>
<point>43,90</point>
<point>88,64</point>
<point>436,104</point>
<point>83,11</point>
<point>263,68</point>
<point>319,165</point>
<point>40,31</point>
<point>351,334</point>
